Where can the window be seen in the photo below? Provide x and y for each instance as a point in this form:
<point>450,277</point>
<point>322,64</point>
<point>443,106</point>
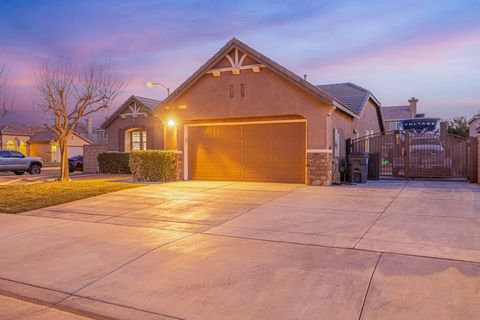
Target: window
<point>4,154</point>
<point>144,140</point>
<point>394,125</point>
<point>138,140</point>
<point>16,154</point>
<point>11,145</point>
<point>231,91</point>
<point>242,90</point>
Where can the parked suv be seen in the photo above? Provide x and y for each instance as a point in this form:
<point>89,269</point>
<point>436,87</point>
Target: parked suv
<point>17,163</point>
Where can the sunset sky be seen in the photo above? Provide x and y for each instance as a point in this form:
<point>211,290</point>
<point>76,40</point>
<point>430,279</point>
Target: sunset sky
<point>396,49</point>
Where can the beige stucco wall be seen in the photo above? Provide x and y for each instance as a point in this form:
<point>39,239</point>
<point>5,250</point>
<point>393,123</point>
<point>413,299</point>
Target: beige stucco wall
<point>44,151</point>
<point>369,120</point>
<point>266,95</point>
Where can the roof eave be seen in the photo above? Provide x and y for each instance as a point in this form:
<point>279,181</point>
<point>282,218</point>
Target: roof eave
<point>339,105</point>
<point>112,117</point>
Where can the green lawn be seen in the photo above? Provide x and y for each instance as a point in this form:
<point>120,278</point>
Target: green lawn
<point>15,199</point>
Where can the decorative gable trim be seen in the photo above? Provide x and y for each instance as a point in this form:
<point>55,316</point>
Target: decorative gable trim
<point>236,64</point>
<point>135,111</point>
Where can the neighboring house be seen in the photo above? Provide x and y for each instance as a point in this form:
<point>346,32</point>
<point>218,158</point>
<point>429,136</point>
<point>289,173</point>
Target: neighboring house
<point>39,141</point>
<point>89,131</point>
<point>393,115</point>
<point>242,116</point>
<point>133,126</point>
<point>474,126</point>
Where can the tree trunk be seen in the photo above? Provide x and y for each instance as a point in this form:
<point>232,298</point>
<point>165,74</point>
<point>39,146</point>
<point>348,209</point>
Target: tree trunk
<point>64,172</point>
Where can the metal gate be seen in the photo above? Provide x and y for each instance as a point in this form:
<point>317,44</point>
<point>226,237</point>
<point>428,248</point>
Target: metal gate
<point>408,155</point>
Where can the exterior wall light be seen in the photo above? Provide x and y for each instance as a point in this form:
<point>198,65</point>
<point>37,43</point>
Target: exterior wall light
<point>171,123</point>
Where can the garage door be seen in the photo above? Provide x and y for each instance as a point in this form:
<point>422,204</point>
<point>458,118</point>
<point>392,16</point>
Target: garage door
<point>75,151</point>
<point>273,152</point>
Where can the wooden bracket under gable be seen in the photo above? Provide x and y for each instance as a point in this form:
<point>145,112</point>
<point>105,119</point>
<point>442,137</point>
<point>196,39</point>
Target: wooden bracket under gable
<point>135,111</point>
<point>236,64</point>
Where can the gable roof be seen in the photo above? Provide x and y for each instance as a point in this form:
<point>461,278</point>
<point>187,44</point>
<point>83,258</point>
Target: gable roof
<point>37,133</point>
<point>354,97</point>
<point>148,104</point>
<point>20,130</point>
<point>351,95</point>
<point>475,117</point>
<point>272,65</point>
<point>397,113</point>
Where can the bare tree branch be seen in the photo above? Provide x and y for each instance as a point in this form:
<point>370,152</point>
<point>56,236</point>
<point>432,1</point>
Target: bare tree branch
<point>69,94</point>
<point>6,96</point>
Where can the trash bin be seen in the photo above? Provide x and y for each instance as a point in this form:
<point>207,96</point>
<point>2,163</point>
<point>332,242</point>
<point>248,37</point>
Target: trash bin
<point>358,167</point>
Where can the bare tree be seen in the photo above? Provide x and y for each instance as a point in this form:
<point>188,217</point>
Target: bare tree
<point>6,98</point>
<point>69,94</point>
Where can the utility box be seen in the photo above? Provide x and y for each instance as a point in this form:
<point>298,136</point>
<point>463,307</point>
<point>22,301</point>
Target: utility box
<point>358,167</point>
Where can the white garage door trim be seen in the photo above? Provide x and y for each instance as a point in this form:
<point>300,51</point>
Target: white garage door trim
<point>185,134</point>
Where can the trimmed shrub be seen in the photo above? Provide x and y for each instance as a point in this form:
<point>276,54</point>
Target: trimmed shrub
<point>153,165</point>
<point>113,162</point>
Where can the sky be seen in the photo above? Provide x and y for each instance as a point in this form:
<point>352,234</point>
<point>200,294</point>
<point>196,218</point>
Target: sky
<point>396,49</point>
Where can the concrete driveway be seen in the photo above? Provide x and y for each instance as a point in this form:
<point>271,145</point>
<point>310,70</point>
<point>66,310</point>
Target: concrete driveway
<point>223,250</point>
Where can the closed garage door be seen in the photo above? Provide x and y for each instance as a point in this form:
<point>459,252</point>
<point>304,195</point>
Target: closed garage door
<point>273,152</point>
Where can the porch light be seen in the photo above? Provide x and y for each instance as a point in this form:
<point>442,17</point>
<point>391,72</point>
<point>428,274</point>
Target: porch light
<point>171,123</point>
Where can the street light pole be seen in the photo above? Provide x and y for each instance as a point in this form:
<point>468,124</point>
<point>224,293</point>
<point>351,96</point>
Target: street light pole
<point>151,84</point>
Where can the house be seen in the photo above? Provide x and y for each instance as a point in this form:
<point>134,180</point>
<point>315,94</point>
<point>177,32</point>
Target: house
<point>242,116</point>
<point>393,115</point>
<point>39,141</point>
<point>133,126</point>
<point>88,130</point>
<point>474,126</point>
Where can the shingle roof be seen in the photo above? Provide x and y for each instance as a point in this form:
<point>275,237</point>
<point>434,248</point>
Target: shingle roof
<point>397,113</point>
<point>149,104</point>
<point>351,95</point>
<point>37,133</point>
<point>43,134</point>
<point>16,129</point>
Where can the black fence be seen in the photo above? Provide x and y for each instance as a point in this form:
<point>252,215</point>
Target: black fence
<point>407,155</point>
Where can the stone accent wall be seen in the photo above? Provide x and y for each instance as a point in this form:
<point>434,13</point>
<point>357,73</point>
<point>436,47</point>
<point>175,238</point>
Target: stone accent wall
<point>319,168</point>
<point>179,166</point>
<point>90,153</point>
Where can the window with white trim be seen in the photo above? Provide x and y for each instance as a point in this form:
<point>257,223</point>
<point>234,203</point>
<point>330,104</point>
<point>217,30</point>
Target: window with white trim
<point>138,140</point>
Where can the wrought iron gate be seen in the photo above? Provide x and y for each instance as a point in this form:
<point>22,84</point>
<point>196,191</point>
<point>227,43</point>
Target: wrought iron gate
<point>404,154</point>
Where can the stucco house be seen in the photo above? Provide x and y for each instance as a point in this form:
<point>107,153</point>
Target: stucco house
<point>474,126</point>
<point>393,115</point>
<point>39,141</point>
<point>242,116</point>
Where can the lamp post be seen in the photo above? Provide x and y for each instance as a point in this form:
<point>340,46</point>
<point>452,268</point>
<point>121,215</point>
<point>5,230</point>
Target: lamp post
<point>151,84</point>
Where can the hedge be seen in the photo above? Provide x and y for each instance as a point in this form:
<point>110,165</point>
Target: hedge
<point>113,162</point>
<point>153,165</point>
